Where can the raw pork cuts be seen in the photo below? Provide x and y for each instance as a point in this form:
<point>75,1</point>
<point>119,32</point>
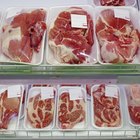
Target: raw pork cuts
<point>23,35</point>
<point>9,108</point>
<point>68,44</point>
<point>106,109</point>
<point>134,103</point>
<point>112,2</point>
<point>70,112</point>
<point>40,112</point>
<point>118,39</point>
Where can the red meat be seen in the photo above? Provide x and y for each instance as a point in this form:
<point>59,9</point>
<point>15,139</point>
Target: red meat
<point>9,108</point>
<point>70,112</point>
<point>134,103</point>
<point>134,112</point>
<point>40,112</point>
<point>112,2</point>
<point>24,35</point>
<point>106,109</point>
<point>118,39</point>
<point>70,44</point>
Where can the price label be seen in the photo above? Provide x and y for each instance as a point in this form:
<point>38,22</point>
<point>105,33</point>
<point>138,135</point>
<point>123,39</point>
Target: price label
<point>123,14</point>
<point>75,94</point>
<point>14,91</point>
<point>111,91</point>
<point>78,21</point>
<point>47,92</point>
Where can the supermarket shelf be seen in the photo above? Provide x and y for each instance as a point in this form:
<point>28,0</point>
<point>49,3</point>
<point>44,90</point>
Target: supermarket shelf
<point>55,134</point>
<point>126,132</point>
<point>68,70</point>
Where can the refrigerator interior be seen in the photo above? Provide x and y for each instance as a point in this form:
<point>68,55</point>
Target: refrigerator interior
<point>127,131</point>
<point>29,75</point>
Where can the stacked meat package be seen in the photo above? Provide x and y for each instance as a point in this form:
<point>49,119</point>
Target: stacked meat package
<point>133,103</point>
<point>68,107</point>
<point>72,35</point>
<point>11,99</point>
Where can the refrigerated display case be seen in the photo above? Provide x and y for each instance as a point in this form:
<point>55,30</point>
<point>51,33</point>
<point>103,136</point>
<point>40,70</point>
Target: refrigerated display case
<point>45,74</point>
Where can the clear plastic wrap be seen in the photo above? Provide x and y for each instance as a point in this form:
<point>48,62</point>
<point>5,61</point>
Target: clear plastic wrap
<point>71,36</point>
<point>71,108</point>
<point>106,107</point>
<point>23,33</point>
<point>117,30</point>
<point>40,109</point>
<point>133,103</point>
<point>10,106</point>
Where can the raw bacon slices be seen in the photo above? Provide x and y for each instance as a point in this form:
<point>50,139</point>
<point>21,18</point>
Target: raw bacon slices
<point>134,103</point>
<point>112,2</point>
<point>68,44</point>
<point>23,35</point>
<point>40,113</point>
<point>106,109</point>
<point>118,39</point>
<point>9,108</point>
<point>70,112</point>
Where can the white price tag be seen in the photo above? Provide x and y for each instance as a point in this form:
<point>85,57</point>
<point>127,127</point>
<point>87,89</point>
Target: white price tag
<point>123,14</point>
<point>111,91</point>
<point>14,91</point>
<point>75,94</point>
<point>47,92</point>
<point>78,21</point>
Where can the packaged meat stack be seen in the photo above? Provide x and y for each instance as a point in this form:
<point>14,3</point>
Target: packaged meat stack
<point>118,35</point>
<point>133,103</point>
<point>23,35</point>
<point>106,107</point>
<point>72,108</point>
<point>10,106</point>
<point>71,36</point>
<point>40,109</point>
<point>114,2</point>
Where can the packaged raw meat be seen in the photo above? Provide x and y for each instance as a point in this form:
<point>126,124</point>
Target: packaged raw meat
<point>71,108</point>
<point>133,103</point>
<point>71,36</point>
<point>10,106</point>
<point>118,35</point>
<point>24,100</point>
<point>22,36</point>
<point>40,109</point>
<point>114,2</point>
<point>105,107</point>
